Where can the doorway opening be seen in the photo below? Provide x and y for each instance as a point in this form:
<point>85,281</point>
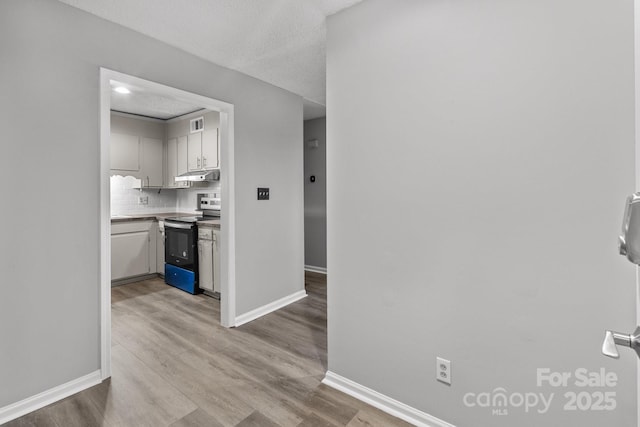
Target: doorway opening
<point>154,94</point>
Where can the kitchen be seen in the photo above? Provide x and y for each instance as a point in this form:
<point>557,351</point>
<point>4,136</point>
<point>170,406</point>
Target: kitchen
<point>165,191</point>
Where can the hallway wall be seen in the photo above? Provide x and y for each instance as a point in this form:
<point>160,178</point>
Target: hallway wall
<point>315,193</point>
<point>505,131</point>
<point>51,56</point>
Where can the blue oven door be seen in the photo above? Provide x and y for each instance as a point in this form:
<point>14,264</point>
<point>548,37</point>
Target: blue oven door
<point>181,256</point>
<point>180,246</point>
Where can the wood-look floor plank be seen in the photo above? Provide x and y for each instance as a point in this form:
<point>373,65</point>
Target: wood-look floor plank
<point>77,411</point>
<point>175,365</point>
<point>286,334</point>
<point>283,401</point>
<point>257,419</point>
<point>40,418</point>
<point>197,418</point>
<point>137,396</point>
<point>211,386</point>
<point>374,418</point>
<point>313,420</point>
<point>331,406</point>
<point>147,340</point>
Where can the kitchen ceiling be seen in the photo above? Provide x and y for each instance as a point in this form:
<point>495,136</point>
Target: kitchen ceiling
<point>281,42</point>
<point>142,102</point>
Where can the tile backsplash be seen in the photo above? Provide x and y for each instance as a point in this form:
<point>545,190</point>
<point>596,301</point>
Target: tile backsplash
<point>186,199</point>
<point>124,199</point>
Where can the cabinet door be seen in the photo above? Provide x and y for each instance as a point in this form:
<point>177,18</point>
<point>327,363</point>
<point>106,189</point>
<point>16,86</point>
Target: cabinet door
<point>125,152</point>
<point>210,148</point>
<point>151,165</point>
<point>216,261</point>
<point>194,151</point>
<point>153,247</point>
<point>205,264</point>
<point>160,252</point>
<point>172,162</point>
<point>129,255</point>
<point>182,155</point>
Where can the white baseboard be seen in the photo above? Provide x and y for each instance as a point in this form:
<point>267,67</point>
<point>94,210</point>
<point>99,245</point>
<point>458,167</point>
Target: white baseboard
<point>128,280</point>
<point>268,308</point>
<point>314,269</point>
<point>382,402</point>
<point>30,404</point>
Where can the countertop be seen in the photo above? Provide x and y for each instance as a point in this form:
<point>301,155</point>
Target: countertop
<point>150,216</point>
<point>161,216</point>
<point>210,222</point>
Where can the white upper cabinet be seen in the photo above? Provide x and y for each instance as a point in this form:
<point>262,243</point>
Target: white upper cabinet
<point>182,155</point>
<point>176,161</point>
<point>172,161</point>
<point>151,164</point>
<point>194,151</point>
<point>125,152</point>
<point>203,150</point>
<point>198,136</point>
<point>138,149</point>
<point>210,148</point>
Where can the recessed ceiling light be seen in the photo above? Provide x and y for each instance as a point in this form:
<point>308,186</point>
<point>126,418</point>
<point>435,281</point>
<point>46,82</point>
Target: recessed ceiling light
<point>122,89</point>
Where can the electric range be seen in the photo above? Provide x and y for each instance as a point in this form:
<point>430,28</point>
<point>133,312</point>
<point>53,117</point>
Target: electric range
<point>181,244</point>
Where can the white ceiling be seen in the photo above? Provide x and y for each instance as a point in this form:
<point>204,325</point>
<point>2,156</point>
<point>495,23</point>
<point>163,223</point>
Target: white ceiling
<point>281,42</point>
<point>142,102</point>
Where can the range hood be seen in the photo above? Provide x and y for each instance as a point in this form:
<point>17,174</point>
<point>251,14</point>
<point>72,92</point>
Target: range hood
<point>200,176</point>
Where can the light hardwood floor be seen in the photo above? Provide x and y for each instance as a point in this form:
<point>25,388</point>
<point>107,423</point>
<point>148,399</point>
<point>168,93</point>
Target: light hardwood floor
<point>174,365</point>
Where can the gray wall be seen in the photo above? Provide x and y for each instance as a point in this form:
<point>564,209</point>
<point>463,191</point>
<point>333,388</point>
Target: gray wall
<point>500,135</point>
<point>49,298</point>
<point>315,194</point>
<point>180,127</point>
<point>147,128</point>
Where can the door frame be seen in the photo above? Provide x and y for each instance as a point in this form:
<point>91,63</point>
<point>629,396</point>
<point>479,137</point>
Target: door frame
<point>227,177</point>
<point>636,55</point>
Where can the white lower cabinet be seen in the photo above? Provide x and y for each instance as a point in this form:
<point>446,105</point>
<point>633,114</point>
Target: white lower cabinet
<point>209,259</point>
<point>133,249</point>
<point>216,260</point>
<point>205,258</point>
<point>160,249</point>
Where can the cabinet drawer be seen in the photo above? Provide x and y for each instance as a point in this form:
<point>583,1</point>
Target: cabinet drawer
<point>205,233</point>
<point>131,227</point>
<point>130,255</point>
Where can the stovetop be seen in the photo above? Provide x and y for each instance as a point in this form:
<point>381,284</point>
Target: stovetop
<point>185,218</point>
<point>191,219</point>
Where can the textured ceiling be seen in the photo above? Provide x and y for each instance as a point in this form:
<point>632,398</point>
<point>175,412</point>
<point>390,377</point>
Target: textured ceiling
<point>281,42</point>
<point>143,102</point>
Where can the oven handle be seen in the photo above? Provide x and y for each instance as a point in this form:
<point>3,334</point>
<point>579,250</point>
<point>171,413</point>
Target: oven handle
<point>174,225</point>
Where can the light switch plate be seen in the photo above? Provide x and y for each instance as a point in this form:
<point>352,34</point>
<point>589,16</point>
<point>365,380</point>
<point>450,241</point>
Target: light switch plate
<point>263,193</point>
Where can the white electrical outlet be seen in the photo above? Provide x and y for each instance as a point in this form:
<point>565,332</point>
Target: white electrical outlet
<point>143,200</point>
<point>443,370</point>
